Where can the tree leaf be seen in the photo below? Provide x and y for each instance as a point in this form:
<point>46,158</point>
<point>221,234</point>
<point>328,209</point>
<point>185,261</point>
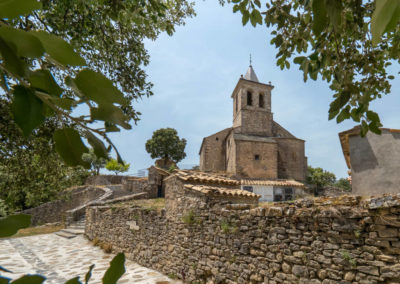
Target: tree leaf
<point>111,127</point>
<point>13,8</point>
<point>74,281</point>
<point>256,17</point>
<point>245,17</point>
<point>30,279</point>
<point>111,114</point>
<point>89,274</point>
<point>386,13</point>
<point>116,269</point>
<point>98,145</point>
<point>59,49</point>
<point>97,87</point>
<point>320,16</point>
<point>11,224</point>
<point>373,116</point>
<point>299,59</point>
<point>364,128</point>
<point>26,44</point>
<point>12,63</point>
<point>4,280</point>
<point>27,109</point>
<point>43,80</point>
<point>334,9</point>
<point>70,146</point>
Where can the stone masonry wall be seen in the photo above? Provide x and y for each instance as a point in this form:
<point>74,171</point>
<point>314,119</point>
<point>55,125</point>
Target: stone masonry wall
<point>324,240</point>
<point>291,159</point>
<point>55,211</point>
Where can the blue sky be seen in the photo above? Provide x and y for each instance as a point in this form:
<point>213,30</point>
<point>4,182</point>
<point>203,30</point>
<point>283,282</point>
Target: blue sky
<point>194,73</point>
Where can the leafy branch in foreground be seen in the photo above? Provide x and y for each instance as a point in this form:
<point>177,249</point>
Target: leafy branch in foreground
<point>11,224</point>
<point>35,94</point>
<point>350,44</point>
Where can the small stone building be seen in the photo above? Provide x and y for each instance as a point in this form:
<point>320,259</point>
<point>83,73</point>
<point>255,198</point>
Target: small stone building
<point>374,160</point>
<point>156,181</point>
<point>186,190</point>
<point>255,147</point>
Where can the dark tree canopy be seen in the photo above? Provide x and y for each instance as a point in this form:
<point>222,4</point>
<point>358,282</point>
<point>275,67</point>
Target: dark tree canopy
<point>58,55</point>
<point>349,44</point>
<point>166,144</point>
<point>31,172</point>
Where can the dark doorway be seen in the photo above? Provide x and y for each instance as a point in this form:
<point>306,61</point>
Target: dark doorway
<point>159,191</point>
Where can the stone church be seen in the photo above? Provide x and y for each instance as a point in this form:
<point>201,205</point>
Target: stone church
<point>255,147</point>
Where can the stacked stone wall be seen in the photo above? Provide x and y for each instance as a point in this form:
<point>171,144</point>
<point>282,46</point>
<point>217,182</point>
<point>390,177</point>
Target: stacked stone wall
<point>325,240</point>
<point>106,179</point>
<point>56,211</point>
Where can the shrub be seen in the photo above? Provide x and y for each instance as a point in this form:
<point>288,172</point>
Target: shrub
<point>190,218</point>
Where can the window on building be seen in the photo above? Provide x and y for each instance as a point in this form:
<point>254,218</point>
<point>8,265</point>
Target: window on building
<point>289,193</point>
<point>249,99</point>
<point>261,100</point>
<point>256,157</point>
<point>216,138</point>
<point>248,188</point>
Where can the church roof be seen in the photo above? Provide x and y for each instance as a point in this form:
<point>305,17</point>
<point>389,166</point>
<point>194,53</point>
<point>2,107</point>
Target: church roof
<point>251,75</point>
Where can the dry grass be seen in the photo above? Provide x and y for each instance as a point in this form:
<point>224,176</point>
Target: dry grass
<point>107,247</point>
<point>149,204</point>
<point>31,231</point>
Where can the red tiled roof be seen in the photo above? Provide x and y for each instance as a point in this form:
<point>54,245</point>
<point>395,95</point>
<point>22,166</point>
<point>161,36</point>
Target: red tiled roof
<point>210,190</point>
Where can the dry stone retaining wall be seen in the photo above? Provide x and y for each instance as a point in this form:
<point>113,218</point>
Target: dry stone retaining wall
<point>57,211</point>
<point>325,240</point>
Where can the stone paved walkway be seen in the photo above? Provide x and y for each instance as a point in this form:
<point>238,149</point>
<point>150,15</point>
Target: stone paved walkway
<point>61,259</point>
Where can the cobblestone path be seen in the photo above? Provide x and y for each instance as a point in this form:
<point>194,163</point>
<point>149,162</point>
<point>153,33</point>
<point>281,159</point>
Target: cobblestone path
<point>61,259</point>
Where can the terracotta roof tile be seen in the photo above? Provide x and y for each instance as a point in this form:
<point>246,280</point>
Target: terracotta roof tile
<point>210,190</point>
<point>291,183</point>
<point>202,177</point>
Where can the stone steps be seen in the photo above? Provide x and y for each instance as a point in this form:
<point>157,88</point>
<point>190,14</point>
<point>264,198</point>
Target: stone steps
<point>65,235</point>
<point>73,230</point>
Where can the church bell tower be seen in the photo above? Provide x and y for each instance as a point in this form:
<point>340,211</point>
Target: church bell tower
<point>252,106</point>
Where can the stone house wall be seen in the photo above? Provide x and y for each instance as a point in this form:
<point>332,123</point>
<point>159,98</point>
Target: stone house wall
<point>291,159</point>
<point>325,240</point>
<point>213,152</point>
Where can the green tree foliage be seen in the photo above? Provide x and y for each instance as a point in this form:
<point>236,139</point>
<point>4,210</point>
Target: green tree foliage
<point>42,76</point>
<point>319,177</point>
<point>343,183</point>
<point>3,208</point>
<point>31,172</point>
<point>166,144</point>
<point>349,44</point>
<point>116,167</point>
<point>96,163</point>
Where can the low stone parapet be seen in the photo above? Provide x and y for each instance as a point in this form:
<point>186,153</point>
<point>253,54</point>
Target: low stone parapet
<point>323,240</point>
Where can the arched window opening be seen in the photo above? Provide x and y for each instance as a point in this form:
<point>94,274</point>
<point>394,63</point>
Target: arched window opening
<point>249,99</point>
<point>261,101</point>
